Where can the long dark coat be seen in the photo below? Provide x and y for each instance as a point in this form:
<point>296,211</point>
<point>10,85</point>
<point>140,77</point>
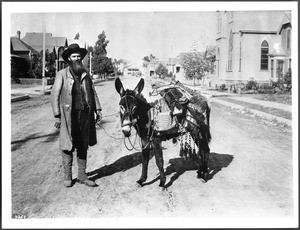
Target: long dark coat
<point>62,106</point>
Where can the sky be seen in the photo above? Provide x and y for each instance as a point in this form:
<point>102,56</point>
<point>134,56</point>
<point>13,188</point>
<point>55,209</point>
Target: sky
<point>131,35</point>
<point>134,30</point>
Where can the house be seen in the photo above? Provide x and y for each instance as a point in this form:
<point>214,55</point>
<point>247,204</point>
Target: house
<point>245,42</point>
<point>151,67</point>
<point>173,65</point>
<point>20,49</point>
<point>53,44</point>
<point>131,71</point>
<point>21,55</point>
<point>280,56</point>
<point>35,40</point>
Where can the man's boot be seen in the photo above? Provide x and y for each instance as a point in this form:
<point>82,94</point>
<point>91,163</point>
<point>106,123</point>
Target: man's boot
<point>67,164</point>
<point>82,177</point>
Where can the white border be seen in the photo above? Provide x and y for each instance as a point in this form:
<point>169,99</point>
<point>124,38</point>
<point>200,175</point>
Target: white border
<point>18,7</point>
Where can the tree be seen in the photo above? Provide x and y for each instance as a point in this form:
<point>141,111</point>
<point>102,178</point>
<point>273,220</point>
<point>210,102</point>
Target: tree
<point>161,71</point>
<point>147,59</point>
<point>210,57</point>
<point>99,55</point>
<point>37,64</point>
<point>77,36</point>
<point>50,64</point>
<point>116,66</point>
<point>196,64</point>
<point>19,68</point>
<point>101,44</point>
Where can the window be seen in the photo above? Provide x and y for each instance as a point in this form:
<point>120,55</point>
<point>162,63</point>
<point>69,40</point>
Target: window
<point>218,61</point>
<point>219,21</point>
<point>264,59</point>
<point>230,48</point>
<point>272,68</point>
<point>288,39</point>
<point>240,60</point>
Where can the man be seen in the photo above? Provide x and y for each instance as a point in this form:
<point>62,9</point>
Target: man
<point>74,102</point>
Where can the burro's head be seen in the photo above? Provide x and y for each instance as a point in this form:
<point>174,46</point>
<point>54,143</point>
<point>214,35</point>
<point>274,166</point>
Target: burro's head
<point>128,105</point>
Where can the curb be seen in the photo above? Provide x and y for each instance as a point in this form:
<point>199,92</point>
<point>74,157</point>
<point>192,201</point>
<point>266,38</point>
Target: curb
<point>264,115</point>
<point>20,98</point>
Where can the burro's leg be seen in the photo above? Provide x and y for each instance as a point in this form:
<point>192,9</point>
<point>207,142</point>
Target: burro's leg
<point>145,161</point>
<point>204,155</point>
<point>203,164</point>
<point>159,161</point>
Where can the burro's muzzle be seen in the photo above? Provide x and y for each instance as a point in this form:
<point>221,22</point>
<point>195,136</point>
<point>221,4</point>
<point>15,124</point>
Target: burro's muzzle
<point>126,126</point>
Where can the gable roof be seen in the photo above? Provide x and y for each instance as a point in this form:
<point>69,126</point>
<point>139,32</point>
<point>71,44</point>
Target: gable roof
<point>267,21</point>
<point>286,20</point>
<point>17,45</point>
<point>35,40</point>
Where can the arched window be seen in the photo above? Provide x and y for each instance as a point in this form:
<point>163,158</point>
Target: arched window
<point>230,48</point>
<point>264,59</point>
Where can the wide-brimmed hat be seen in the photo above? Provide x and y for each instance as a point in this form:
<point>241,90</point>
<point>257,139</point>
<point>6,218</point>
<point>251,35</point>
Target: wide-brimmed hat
<point>73,48</point>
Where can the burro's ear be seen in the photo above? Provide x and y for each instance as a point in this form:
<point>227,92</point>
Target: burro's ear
<point>140,86</point>
<point>119,86</point>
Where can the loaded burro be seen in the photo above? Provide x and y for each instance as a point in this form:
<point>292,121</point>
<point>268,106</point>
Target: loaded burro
<point>175,115</point>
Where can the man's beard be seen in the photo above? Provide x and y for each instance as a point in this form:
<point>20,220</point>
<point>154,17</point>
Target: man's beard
<point>77,67</point>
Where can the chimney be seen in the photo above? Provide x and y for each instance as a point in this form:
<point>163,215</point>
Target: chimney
<point>19,34</point>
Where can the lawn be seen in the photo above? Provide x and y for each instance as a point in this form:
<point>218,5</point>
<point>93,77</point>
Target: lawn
<point>273,111</point>
<point>280,98</point>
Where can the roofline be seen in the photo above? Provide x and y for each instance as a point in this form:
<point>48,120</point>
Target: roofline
<point>30,48</point>
<point>281,26</point>
<point>257,32</point>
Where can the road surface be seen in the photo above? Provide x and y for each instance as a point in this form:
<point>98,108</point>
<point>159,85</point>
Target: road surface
<point>251,169</point>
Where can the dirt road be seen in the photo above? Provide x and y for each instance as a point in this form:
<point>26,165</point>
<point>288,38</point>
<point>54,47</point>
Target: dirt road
<point>251,169</point>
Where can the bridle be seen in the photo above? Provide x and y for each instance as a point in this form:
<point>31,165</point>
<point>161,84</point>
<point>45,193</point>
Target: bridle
<point>128,111</point>
<point>133,123</point>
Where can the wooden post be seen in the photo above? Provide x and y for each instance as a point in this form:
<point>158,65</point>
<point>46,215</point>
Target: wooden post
<point>44,56</point>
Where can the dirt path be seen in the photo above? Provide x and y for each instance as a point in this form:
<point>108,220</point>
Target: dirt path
<point>250,162</point>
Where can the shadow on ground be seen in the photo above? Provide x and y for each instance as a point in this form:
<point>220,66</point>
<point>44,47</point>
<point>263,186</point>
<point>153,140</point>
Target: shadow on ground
<point>120,165</point>
<point>48,138</point>
<point>178,166</point>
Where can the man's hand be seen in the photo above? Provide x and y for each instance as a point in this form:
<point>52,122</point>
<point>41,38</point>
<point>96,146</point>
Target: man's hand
<point>57,123</point>
<point>98,116</point>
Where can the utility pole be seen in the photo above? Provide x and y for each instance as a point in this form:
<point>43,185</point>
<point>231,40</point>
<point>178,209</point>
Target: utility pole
<point>44,56</point>
<point>91,63</point>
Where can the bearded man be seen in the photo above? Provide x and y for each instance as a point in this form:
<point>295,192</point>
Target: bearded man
<point>74,104</point>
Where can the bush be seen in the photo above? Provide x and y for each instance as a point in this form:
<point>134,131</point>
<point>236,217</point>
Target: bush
<point>252,84</point>
<point>223,87</point>
<point>287,78</point>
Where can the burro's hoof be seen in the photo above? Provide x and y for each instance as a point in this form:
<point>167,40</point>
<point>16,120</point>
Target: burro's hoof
<point>202,175</point>
<point>162,183</point>
<point>140,183</point>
